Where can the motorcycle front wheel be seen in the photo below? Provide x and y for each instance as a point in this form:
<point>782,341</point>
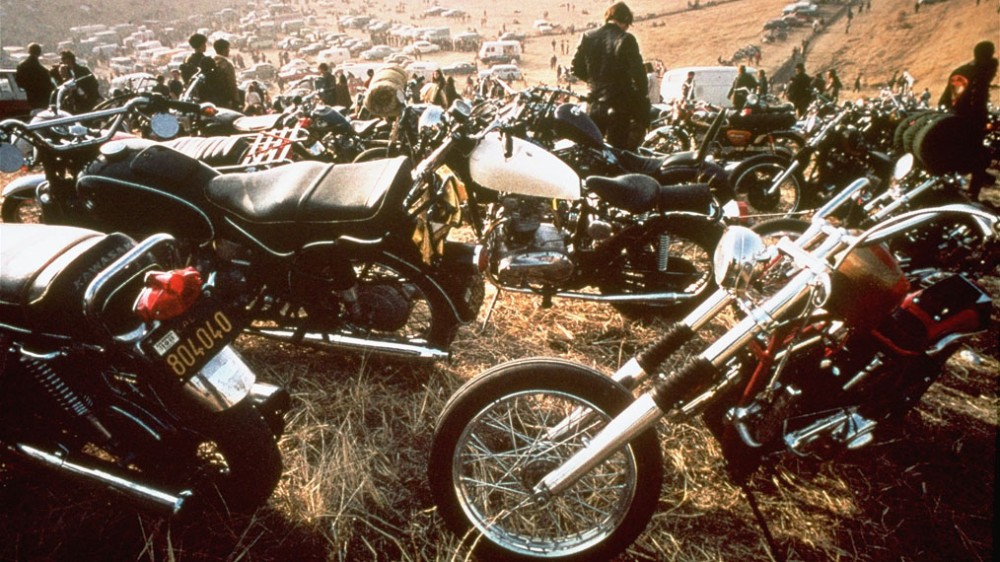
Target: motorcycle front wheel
<point>21,209</point>
<point>505,430</point>
<point>752,181</point>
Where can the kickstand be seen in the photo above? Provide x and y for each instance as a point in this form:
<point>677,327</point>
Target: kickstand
<point>772,546</point>
<point>489,313</point>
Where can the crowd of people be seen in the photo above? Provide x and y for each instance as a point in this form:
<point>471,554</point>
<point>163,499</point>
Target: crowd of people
<point>621,85</point>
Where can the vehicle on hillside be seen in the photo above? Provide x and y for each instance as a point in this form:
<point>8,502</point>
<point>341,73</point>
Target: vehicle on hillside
<point>13,100</point>
<point>421,47</point>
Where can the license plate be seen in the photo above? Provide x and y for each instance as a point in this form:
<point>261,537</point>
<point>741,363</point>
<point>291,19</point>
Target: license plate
<point>185,344</point>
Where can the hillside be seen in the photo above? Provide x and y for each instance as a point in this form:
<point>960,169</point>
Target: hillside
<point>48,21</point>
<point>885,38</point>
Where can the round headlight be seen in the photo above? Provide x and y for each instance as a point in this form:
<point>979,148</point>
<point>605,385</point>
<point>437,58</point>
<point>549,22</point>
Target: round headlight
<point>738,258</point>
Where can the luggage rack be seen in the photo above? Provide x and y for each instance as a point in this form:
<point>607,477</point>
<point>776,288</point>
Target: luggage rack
<point>273,147</point>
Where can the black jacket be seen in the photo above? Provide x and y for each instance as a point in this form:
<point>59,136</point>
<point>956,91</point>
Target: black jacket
<point>968,90</point>
<point>34,78</point>
<point>608,60</point>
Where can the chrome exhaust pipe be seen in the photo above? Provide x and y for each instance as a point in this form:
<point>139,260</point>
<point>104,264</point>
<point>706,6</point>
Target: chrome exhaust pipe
<point>171,503</point>
<point>646,297</point>
<point>320,339</point>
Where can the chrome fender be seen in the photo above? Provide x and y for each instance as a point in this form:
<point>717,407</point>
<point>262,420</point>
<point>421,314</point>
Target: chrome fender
<point>24,186</point>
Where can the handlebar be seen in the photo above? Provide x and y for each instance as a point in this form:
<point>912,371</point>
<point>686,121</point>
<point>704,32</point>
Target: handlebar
<point>149,100</point>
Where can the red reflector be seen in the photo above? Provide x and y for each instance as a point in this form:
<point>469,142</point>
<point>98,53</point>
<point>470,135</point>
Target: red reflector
<point>305,122</point>
<point>168,294</point>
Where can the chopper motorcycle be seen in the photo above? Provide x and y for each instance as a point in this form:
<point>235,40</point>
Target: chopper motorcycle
<point>329,255</point>
<point>629,241</point>
<point>546,459</point>
<point>120,375</point>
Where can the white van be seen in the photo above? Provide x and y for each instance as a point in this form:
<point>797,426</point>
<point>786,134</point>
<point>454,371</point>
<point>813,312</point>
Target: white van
<point>494,52</point>
<point>711,83</point>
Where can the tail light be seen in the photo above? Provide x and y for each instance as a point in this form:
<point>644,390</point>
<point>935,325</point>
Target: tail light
<point>305,122</point>
<point>168,294</point>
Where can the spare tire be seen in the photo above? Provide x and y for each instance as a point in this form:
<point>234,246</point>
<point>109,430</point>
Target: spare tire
<point>948,144</point>
<point>924,122</point>
<point>907,124</point>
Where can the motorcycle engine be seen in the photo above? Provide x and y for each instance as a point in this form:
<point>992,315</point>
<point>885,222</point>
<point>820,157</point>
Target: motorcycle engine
<point>531,248</point>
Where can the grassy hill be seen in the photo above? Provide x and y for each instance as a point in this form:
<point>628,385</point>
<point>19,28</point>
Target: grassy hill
<point>355,483</point>
<point>48,21</point>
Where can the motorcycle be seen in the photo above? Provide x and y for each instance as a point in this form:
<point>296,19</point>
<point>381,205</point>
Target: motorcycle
<point>328,255</point>
<point>629,241</point>
<point>835,153</point>
<point>758,128</point>
<point>547,459</point>
<point>122,375</point>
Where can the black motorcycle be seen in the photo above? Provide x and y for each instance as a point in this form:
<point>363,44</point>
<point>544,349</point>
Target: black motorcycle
<point>332,255</point>
<point>119,374</point>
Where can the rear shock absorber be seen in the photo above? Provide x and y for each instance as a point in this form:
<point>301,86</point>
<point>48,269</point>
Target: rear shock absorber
<point>79,406</point>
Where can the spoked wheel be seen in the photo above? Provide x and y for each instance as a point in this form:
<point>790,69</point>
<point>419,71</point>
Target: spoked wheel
<point>502,432</point>
<point>671,256</point>
<point>776,275</point>
<point>21,209</point>
<point>752,183</point>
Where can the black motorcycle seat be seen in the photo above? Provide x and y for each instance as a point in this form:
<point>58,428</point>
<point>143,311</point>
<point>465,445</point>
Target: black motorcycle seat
<point>45,269</point>
<point>364,127</point>
<point>289,204</point>
<point>214,151</point>
<point>639,164</point>
<point>638,193</point>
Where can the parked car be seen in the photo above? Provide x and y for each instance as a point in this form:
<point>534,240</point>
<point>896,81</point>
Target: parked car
<point>378,52</point>
<point>399,58</point>
<point>13,100</point>
<point>506,72</point>
<point>422,47</point>
<point>458,68</point>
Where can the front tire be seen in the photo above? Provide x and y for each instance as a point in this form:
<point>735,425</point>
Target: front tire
<point>498,436</point>
<point>752,180</point>
<point>21,209</point>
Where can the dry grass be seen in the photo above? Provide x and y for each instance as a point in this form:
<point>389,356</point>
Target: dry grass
<point>355,487</point>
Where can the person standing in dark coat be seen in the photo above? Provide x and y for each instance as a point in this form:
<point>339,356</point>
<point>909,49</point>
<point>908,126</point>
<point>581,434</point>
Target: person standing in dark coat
<point>763,88</point>
<point>196,62</point>
<point>743,84</point>
<point>87,89</point>
<point>343,92</point>
<point>175,85</point>
<point>34,78</point>
<point>608,59</point>
<point>799,90</point>
<point>326,85</point>
<point>967,95</point>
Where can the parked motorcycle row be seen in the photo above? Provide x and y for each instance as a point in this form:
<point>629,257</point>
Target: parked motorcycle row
<point>843,244</point>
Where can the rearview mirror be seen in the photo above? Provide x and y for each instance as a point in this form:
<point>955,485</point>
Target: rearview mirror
<point>11,158</point>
